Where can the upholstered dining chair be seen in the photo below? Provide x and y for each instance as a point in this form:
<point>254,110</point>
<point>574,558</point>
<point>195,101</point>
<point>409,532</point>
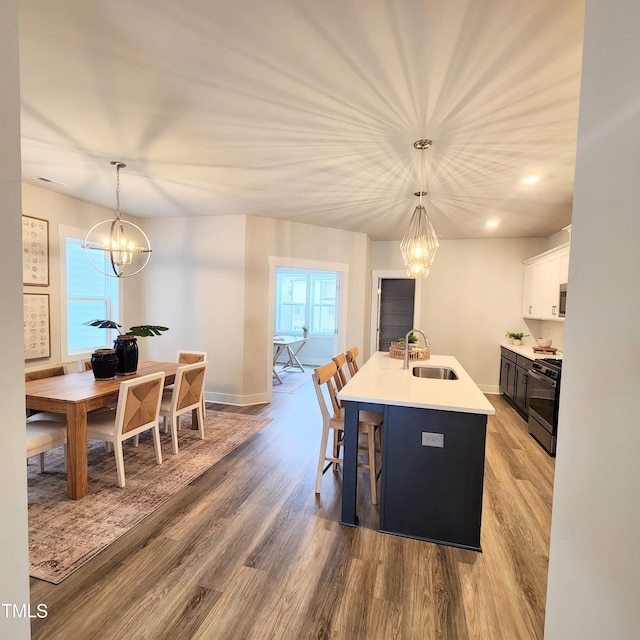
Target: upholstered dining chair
<point>39,374</point>
<point>352,363</point>
<point>138,410</point>
<point>190,357</point>
<point>185,396</point>
<point>43,436</point>
<point>333,420</point>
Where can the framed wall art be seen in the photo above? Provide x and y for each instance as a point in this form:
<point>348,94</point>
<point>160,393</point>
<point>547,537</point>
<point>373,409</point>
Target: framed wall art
<point>35,252</point>
<point>35,308</point>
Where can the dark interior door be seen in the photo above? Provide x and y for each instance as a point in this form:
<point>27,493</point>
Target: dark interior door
<point>396,310</point>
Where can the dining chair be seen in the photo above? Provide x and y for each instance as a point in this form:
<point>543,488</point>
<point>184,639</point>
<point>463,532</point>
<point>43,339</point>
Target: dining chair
<point>190,357</point>
<point>39,374</point>
<point>137,411</point>
<point>333,419</point>
<point>49,372</point>
<point>352,363</point>
<point>185,396</point>
<point>43,436</point>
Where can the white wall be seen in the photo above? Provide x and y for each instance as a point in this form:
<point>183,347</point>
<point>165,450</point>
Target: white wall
<point>472,296</point>
<point>269,237</point>
<point>14,553</point>
<point>195,285</point>
<point>594,570</point>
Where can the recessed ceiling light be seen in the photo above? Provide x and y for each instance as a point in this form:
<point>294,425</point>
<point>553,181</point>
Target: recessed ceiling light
<point>531,179</point>
<point>492,223</point>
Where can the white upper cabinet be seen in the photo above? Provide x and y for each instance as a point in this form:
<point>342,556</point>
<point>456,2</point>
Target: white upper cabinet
<point>543,276</point>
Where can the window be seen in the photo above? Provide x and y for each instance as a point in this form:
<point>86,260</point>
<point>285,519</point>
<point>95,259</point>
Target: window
<point>89,295</point>
<point>305,297</point>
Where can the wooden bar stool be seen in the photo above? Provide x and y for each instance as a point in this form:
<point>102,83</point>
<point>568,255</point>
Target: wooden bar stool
<point>333,419</point>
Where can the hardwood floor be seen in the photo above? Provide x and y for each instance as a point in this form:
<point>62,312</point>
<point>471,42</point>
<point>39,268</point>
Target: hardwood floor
<point>248,551</point>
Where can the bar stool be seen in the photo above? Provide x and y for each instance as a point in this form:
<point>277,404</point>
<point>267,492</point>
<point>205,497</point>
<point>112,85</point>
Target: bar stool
<point>351,356</point>
<point>368,424</point>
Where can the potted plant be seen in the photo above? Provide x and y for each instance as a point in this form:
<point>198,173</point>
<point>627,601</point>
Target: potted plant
<point>515,337</point>
<point>126,344</point>
<point>305,330</point>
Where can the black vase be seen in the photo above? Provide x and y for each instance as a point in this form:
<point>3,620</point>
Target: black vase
<point>126,348</point>
<point>104,363</point>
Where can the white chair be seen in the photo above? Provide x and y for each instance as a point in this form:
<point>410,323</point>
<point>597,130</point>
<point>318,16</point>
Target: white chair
<point>368,423</point>
<point>185,396</point>
<point>191,357</point>
<point>44,436</point>
<point>137,411</point>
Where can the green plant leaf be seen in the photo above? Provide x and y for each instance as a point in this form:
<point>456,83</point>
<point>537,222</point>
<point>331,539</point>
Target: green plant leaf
<point>147,330</point>
<point>103,324</point>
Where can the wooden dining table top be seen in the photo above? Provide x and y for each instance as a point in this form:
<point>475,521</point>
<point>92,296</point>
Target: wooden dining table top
<point>82,386</point>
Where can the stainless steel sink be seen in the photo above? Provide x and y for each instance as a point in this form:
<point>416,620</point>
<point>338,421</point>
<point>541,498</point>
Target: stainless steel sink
<point>439,373</point>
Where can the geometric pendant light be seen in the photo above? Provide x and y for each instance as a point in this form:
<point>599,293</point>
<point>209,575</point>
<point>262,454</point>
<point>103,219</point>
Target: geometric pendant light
<point>117,248</point>
<point>420,242</point>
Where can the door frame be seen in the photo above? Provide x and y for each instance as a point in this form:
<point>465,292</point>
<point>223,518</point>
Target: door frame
<point>317,265</point>
<point>396,274</point>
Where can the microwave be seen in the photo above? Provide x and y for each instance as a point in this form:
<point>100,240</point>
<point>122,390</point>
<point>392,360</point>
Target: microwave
<point>562,305</point>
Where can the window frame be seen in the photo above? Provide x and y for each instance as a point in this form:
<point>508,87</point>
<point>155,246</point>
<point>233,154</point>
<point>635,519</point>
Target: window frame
<point>312,278</point>
<point>113,301</point>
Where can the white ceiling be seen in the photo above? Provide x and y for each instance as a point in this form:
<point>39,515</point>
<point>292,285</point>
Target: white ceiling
<point>307,110</point>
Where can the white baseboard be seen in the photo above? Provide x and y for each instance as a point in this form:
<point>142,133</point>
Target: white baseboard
<point>492,389</point>
<point>237,400</point>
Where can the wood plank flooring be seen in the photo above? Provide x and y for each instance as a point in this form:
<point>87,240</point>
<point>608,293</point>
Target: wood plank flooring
<point>248,551</point>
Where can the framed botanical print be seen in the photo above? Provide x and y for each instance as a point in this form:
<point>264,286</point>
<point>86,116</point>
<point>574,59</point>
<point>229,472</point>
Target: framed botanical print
<point>35,252</point>
<point>35,307</point>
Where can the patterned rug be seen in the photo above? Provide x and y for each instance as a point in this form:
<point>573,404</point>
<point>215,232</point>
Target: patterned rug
<point>64,534</point>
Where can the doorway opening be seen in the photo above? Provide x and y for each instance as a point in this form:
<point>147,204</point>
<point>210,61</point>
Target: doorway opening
<point>307,303</point>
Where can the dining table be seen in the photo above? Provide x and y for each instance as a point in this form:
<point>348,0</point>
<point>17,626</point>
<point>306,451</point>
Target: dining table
<point>75,395</point>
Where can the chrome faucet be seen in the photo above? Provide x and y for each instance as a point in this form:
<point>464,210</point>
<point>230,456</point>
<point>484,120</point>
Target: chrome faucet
<point>406,345</point>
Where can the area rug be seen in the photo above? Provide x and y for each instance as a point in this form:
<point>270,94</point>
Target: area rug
<point>64,534</point>
<point>291,381</point>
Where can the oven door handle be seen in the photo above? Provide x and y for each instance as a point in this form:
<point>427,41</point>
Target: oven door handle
<point>551,383</point>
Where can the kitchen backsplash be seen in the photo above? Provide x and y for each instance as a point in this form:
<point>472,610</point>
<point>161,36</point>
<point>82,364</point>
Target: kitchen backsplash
<point>545,329</point>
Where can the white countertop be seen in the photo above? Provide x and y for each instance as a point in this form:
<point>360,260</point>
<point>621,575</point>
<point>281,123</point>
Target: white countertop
<point>383,380</point>
<point>526,350</point>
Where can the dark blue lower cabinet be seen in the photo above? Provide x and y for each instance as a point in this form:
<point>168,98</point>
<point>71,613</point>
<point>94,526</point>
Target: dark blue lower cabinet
<point>433,475</point>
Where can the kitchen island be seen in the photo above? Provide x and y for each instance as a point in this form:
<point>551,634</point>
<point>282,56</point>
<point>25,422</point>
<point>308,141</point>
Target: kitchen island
<point>432,452</point>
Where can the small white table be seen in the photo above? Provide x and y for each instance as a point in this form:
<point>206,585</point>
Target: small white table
<point>293,346</point>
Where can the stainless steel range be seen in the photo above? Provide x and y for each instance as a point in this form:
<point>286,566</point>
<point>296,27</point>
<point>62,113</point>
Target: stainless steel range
<point>544,395</point>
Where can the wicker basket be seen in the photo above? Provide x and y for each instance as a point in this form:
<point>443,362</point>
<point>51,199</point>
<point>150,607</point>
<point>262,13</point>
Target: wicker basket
<point>415,353</point>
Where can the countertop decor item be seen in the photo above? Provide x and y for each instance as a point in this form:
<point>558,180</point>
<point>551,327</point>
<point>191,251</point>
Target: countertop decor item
<point>544,342</point>
<point>516,338</point>
<point>117,248</point>
<point>420,242</point>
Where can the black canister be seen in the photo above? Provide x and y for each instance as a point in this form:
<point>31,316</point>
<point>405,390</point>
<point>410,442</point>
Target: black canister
<point>126,347</point>
<point>104,363</point>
